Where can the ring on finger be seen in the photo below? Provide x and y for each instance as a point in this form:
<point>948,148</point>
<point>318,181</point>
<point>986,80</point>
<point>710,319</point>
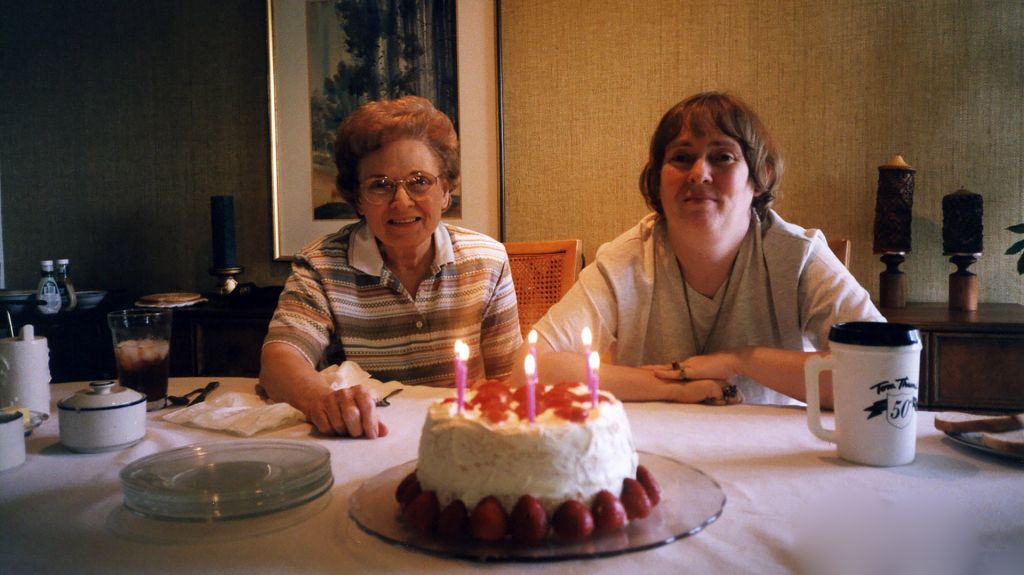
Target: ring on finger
<point>682,370</point>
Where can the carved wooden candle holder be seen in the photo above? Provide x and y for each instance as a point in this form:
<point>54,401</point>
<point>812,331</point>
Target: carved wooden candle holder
<point>893,212</point>
<point>962,240</point>
<point>892,283</point>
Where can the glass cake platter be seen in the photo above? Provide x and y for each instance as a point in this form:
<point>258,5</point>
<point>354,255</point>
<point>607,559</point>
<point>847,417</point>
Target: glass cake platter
<point>226,480</point>
<point>690,501</point>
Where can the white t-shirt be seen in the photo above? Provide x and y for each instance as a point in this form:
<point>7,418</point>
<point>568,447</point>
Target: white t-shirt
<point>785,291</point>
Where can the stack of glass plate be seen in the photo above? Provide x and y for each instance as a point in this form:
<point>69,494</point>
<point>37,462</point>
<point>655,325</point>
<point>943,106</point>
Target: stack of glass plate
<point>226,480</point>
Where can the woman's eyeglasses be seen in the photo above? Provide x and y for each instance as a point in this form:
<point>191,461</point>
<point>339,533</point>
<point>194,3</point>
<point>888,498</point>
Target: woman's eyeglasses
<point>382,189</point>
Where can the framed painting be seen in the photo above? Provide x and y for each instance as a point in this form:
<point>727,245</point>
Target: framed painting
<point>312,64</point>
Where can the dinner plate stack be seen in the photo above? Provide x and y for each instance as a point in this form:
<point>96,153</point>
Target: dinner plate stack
<point>226,480</point>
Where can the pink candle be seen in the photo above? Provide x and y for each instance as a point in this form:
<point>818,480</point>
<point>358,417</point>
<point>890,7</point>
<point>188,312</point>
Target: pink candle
<point>461,355</point>
<point>530,367</point>
<point>592,379</point>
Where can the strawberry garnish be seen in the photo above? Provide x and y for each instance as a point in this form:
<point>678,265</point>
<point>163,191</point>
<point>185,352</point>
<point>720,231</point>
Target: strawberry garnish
<point>573,521</point>
<point>453,525</point>
<point>488,521</point>
<point>421,512</point>
<point>635,499</point>
<point>529,521</point>
<point>609,514</point>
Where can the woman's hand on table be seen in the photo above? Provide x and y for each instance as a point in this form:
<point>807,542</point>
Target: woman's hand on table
<point>287,376</point>
<point>351,411</point>
<point>720,365</point>
<point>701,378</point>
<point>708,391</point>
<point>632,383</point>
<point>779,369</point>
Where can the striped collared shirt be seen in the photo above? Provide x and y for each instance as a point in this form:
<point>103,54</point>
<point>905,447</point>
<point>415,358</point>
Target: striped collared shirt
<point>341,293</point>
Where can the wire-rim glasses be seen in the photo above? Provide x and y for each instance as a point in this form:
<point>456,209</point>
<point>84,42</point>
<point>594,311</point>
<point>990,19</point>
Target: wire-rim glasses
<point>379,190</point>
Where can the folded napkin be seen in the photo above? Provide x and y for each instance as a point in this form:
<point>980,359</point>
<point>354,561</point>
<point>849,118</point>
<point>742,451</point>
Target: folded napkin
<point>238,413</point>
<point>349,374</point>
<point>245,414</point>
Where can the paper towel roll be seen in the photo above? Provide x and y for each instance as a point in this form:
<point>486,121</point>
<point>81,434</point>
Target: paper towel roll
<point>25,371</point>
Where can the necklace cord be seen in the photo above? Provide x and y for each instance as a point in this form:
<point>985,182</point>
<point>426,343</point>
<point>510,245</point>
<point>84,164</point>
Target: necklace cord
<point>700,349</point>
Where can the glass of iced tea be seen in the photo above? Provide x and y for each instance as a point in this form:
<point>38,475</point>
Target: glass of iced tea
<point>142,348</point>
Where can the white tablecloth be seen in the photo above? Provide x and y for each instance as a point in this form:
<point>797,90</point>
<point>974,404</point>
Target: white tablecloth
<point>789,500</point>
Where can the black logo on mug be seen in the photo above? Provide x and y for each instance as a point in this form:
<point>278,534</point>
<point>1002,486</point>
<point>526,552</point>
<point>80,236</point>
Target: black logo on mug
<point>899,402</point>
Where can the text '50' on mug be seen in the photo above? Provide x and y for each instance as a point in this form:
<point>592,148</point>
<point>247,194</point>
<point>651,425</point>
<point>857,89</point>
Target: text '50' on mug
<point>875,369</point>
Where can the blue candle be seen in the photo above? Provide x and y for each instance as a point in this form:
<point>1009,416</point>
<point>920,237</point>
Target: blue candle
<point>222,223</point>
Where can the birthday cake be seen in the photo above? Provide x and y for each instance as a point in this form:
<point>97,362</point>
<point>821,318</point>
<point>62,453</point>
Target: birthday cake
<point>489,473</point>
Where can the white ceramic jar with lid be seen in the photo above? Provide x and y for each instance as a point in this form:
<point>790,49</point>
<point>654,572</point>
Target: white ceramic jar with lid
<point>25,371</point>
<point>104,417</point>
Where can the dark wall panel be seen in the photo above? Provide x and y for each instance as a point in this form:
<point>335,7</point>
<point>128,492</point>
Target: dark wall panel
<point>118,120</point>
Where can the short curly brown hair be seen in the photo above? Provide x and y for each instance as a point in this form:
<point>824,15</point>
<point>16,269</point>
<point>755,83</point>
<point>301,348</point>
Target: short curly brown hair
<point>377,123</point>
<point>735,119</point>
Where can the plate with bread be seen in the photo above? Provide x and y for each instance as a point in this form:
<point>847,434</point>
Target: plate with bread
<point>170,300</point>
<point>1000,435</point>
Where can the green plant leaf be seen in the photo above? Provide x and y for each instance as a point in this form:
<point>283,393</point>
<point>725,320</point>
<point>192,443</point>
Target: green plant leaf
<point>1017,229</point>
<point>1017,247</point>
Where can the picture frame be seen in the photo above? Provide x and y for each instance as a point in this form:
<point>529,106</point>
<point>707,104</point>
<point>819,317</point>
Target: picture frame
<point>477,50</point>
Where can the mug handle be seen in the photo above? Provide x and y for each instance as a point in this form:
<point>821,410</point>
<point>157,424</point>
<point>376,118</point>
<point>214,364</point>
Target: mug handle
<point>812,369</point>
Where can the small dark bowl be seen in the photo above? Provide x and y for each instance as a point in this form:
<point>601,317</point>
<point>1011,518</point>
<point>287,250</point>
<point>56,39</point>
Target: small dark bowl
<point>89,299</point>
<point>17,301</point>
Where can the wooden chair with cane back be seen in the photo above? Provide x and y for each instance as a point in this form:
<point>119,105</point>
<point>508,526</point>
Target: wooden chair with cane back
<point>542,272</point>
<point>841,247</point>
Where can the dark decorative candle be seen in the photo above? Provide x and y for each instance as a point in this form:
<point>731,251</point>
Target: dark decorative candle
<point>961,223</point>
<point>222,222</point>
<point>894,206</point>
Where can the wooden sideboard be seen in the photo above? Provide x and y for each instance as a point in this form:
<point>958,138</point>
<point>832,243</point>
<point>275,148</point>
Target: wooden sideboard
<point>970,360</point>
<point>222,337</point>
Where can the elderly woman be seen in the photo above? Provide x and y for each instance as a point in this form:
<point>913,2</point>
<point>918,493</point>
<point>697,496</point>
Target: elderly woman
<point>712,297</point>
<point>393,291</point>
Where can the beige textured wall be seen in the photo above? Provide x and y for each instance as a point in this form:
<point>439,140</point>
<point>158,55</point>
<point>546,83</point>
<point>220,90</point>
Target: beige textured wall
<point>843,85</point>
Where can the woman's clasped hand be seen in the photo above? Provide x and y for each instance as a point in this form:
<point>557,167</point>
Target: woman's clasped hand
<point>350,411</point>
<point>710,383</point>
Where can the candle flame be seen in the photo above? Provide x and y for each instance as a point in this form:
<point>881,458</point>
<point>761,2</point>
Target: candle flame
<point>532,337</point>
<point>461,350</point>
<point>530,365</point>
<point>595,360</point>
<point>588,337</point>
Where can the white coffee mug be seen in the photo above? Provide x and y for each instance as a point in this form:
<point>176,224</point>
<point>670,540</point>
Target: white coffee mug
<point>12,440</point>
<point>25,371</point>
<point>875,368</point>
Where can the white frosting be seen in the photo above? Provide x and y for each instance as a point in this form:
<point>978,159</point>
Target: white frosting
<point>467,457</point>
